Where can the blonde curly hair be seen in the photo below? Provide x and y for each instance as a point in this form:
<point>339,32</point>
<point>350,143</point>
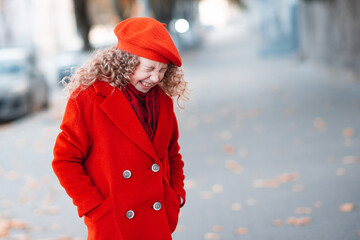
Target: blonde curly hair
<point>116,66</point>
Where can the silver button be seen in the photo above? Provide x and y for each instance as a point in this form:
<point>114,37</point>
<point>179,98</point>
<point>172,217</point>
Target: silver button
<point>155,167</point>
<point>126,174</point>
<point>130,214</point>
<point>157,206</point>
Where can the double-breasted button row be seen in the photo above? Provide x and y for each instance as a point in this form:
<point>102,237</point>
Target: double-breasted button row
<point>127,173</point>
<point>130,214</point>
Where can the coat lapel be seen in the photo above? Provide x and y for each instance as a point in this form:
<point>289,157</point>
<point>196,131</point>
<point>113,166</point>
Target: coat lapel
<point>120,112</point>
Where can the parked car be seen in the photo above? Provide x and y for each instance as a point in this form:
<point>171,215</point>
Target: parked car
<point>68,63</point>
<point>23,87</point>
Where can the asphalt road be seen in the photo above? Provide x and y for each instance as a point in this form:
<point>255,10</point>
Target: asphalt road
<point>271,148</point>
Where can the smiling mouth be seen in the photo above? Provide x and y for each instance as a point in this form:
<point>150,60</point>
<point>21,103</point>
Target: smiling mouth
<point>145,84</point>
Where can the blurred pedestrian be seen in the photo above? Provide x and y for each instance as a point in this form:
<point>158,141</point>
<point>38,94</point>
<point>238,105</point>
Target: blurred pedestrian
<point>117,155</point>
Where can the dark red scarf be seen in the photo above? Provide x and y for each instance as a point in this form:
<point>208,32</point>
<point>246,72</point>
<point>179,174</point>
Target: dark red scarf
<point>146,106</point>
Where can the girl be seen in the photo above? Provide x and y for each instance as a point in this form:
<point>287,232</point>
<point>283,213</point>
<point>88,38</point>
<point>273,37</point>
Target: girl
<point>117,155</point>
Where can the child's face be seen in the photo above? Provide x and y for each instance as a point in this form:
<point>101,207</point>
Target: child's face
<point>148,74</point>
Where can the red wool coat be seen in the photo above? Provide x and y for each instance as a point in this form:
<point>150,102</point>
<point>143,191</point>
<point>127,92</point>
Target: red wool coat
<point>127,187</point>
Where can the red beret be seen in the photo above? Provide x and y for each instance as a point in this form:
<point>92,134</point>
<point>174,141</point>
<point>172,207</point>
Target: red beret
<point>147,38</point>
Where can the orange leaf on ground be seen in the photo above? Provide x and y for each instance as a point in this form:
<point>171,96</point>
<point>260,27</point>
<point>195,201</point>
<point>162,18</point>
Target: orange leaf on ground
<point>340,172</point>
<point>303,210</point>
<point>206,194</point>
<point>298,188</point>
<point>212,236</point>
<point>180,228</point>
<point>217,188</point>
<point>320,124</point>
<point>347,207</point>
<point>229,149</point>
<point>351,159</point>
<point>241,231</point>
<point>236,207</point>
<point>318,204</point>
<point>348,132</point>
<point>277,222</point>
<point>217,228</point>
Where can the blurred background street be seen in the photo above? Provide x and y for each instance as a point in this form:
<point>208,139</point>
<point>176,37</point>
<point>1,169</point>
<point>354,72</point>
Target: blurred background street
<point>270,135</point>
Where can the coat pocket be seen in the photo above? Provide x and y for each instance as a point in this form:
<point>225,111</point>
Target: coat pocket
<point>101,222</point>
<point>172,206</point>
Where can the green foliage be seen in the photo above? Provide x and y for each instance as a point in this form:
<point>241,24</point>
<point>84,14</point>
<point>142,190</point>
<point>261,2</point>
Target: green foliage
<point>239,3</point>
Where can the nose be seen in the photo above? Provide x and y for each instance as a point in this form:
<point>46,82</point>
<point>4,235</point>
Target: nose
<point>155,77</point>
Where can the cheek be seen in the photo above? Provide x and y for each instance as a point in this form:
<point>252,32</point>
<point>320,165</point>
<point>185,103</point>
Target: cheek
<point>162,75</point>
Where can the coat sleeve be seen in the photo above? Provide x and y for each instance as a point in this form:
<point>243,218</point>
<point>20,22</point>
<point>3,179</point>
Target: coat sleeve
<point>70,151</point>
<point>176,163</point>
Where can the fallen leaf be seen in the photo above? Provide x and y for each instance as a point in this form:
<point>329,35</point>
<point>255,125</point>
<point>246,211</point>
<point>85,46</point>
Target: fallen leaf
<point>298,221</point>
<point>303,221</point>
<point>234,166</point>
<point>11,175</point>
<point>288,177</point>
<point>318,204</point>
<point>340,171</point>
<point>320,124</point>
<point>212,236</point>
<point>206,194</point>
<point>180,228</point>
<point>241,231</point>
<point>351,159</point>
<point>277,222</point>
<point>236,206</point>
<point>50,210</point>
<point>18,224</point>
<point>298,188</point>
<point>291,220</point>
<point>189,184</point>
<point>21,237</point>
<point>348,132</point>
<point>217,228</point>
<point>217,188</point>
<point>56,227</point>
<point>347,207</point>
<point>303,210</point>
<point>272,183</point>
<point>229,149</point>
<point>259,183</point>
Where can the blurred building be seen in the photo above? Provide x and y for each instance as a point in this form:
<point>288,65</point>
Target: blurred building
<point>46,25</point>
<point>277,24</point>
<point>330,32</point>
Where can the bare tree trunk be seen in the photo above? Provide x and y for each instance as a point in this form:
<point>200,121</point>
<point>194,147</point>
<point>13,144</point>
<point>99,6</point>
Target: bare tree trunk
<point>83,22</point>
<point>162,9</point>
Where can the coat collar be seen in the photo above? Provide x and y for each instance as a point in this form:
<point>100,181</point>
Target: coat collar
<point>120,112</point>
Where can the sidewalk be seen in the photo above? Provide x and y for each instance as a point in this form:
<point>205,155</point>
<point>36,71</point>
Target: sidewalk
<point>271,146</point>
